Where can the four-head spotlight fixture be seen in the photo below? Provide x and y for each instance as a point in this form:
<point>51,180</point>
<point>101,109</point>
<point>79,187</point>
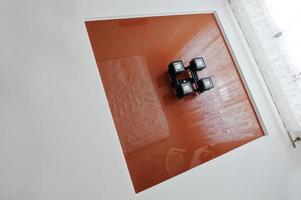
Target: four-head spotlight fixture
<point>184,87</point>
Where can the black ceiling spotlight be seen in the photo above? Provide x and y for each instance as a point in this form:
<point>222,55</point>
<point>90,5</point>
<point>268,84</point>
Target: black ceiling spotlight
<point>205,84</point>
<point>197,64</point>
<point>176,67</point>
<point>184,87</point>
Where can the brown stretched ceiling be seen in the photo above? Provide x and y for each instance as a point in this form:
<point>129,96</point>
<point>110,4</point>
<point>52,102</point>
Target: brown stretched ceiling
<point>160,135</point>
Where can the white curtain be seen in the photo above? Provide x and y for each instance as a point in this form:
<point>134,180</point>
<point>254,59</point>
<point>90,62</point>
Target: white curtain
<point>273,31</point>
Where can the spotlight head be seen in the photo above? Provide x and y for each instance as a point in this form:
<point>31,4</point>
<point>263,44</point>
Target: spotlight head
<point>205,84</point>
<point>186,88</point>
<point>197,64</point>
<point>176,67</point>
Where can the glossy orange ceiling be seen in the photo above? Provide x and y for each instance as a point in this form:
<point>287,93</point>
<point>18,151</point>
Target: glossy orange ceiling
<point>160,135</point>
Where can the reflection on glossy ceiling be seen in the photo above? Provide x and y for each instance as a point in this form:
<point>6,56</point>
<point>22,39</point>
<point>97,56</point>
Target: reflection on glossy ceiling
<point>160,135</point>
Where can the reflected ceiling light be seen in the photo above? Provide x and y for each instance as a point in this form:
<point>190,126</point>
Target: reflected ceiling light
<point>186,87</point>
<point>192,84</point>
<point>197,64</point>
<point>176,67</point>
<point>205,84</point>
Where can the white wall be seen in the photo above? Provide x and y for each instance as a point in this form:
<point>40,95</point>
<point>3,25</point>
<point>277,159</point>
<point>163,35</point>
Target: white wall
<point>57,137</point>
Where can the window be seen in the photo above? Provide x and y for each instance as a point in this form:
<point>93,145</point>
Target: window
<point>272,29</point>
